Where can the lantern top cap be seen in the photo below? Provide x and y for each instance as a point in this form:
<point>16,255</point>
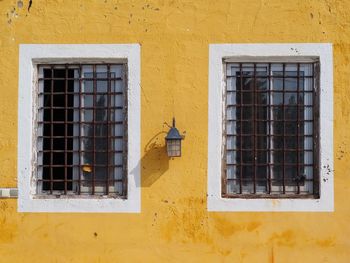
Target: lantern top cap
<point>173,133</point>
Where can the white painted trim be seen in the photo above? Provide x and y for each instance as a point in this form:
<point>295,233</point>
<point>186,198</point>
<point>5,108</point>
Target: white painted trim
<point>218,52</point>
<point>29,56</point>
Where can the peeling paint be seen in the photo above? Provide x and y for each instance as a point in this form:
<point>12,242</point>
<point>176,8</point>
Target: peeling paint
<point>19,4</point>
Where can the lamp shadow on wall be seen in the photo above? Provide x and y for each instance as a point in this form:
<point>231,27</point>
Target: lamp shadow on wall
<point>155,160</point>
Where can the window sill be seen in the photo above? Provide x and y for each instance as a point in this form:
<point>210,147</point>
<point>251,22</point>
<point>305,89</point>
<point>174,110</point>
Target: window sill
<point>74,205</point>
<point>272,196</point>
<point>75,196</point>
<point>219,204</point>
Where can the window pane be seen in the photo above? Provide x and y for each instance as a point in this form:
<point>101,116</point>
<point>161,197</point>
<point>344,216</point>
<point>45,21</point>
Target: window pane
<point>231,142</point>
<point>261,83</point>
<point>277,156</point>
<point>231,157</point>
<point>231,128</point>
<point>290,84</point>
<point>291,98</point>
<point>101,86</point>
<point>308,98</point>
<point>278,113</point>
<point>231,113</point>
<point>277,83</point>
<point>262,98</point>
<point>231,98</point>
<point>88,85</point>
<point>245,113</point>
<point>231,84</point>
<point>277,98</point>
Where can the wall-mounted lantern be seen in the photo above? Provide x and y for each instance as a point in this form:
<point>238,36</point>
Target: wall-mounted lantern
<point>173,141</point>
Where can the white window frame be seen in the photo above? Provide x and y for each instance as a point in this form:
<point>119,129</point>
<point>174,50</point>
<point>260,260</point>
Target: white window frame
<point>30,55</point>
<point>217,83</point>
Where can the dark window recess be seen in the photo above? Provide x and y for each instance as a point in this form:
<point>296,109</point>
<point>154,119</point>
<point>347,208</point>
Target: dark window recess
<point>82,128</point>
<point>270,129</point>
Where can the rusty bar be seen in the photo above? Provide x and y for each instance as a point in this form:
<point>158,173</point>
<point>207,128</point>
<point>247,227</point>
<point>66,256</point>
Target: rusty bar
<point>51,132</point>
<point>125,135</point>
<point>298,127</point>
<point>85,93</point>
<point>65,129</point>
<point>83,137</point>
<point>224,150</point>
<point>91,79</point>
<point>102,181</point>
<point>284,131</point>
<point>280,77</point>
<point>72,122</point>
<point>254,128</point>
<point>269,123</point>
<point>76,165</point>
<point>80,131</point>
<point>316,146</point>
<point>82,151</point>
<point>240,133</point>
<point>272,150</point>
<point>76,108</point>
<point>108,126</point>
<point>94,130</point>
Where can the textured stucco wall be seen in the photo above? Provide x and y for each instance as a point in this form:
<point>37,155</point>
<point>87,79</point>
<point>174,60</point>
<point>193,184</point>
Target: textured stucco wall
<point>174,225</point>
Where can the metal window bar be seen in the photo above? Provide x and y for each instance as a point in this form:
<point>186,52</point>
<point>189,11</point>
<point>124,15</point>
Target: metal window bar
<point>125,135</point>
<point>108,127</point>
<point>241,138</point>
<point>254,129</point>
<point>316,115</point>
<point>298,117</point>
<point>63,134</point>
<point>94,88</point>
<point>284,131</point>
<point>269,138</point>
<point>224,167</point>
<point>51,128</point>
<point>80,128</point>
<point>65,130</point>
<point>286,156</point>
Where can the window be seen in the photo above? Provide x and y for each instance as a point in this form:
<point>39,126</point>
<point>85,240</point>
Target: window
<point>78,107</point>
<point>269,140</point>
<point>270,127</point>
<point>82,121</point>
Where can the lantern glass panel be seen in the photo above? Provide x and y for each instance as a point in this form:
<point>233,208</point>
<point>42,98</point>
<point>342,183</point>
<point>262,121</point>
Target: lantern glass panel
<point>174,148</point>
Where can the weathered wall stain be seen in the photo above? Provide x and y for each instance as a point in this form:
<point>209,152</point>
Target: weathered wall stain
<point>285,238</point>
<point>186,220</point>
<point>329,242</point>
<point>8,227</point>
<point>20,4</point>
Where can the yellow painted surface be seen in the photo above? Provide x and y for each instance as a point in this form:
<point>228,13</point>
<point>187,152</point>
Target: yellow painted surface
<point>174,225</point>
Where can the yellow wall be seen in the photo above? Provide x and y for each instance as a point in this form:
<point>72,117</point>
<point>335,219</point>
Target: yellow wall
<point>174,225</point>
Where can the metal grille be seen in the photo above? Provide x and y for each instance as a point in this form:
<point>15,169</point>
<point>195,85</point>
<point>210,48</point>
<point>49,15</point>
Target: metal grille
<point>270,130</point>
<point>82,130</point>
